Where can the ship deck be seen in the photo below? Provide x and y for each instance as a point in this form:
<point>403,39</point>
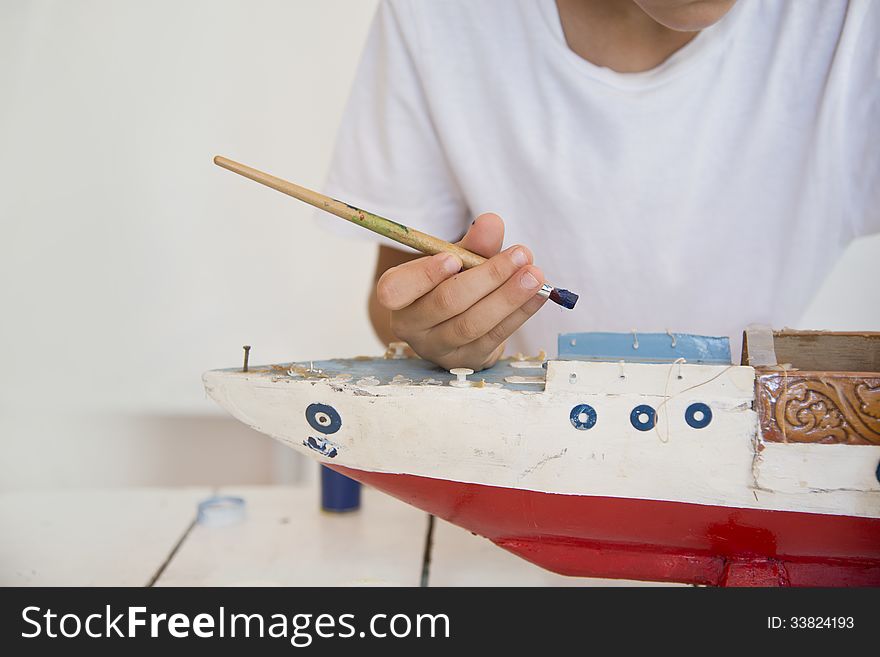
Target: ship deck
<point>508,373</point>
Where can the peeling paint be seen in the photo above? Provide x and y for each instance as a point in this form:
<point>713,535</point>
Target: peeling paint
<point>322,446</point>
<point>358,392</point>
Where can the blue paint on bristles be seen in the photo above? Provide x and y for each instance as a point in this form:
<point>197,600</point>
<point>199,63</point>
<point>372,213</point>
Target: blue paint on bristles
<point>564,298</point>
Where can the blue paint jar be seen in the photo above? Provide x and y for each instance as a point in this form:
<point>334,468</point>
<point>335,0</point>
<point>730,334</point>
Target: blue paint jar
<point>338,492</point>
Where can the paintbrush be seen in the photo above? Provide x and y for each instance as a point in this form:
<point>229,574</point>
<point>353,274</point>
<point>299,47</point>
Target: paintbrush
<point>410,237</point>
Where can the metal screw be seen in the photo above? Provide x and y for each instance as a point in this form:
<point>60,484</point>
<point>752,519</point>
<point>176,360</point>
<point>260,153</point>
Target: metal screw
<point>247,351</point>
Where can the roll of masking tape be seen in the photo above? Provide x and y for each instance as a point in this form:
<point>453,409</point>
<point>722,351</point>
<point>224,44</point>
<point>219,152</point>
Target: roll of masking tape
<point>221,511</point>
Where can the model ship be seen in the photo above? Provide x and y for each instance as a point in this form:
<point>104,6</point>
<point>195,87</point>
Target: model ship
<point>638,456</point>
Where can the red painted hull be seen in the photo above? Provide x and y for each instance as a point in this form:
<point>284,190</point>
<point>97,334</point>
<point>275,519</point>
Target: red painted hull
<point>591,536</point>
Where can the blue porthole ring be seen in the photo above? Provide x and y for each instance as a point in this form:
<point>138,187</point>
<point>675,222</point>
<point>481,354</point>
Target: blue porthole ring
<point>323,418</point>
<point>583,417</point>
<point>636,417</point>
<point>698,415</point>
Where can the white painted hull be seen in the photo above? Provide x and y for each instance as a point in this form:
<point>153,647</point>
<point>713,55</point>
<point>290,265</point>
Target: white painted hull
<point>526,440</point>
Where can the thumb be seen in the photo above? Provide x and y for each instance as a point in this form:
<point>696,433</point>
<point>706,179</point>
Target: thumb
<point>485,236</point>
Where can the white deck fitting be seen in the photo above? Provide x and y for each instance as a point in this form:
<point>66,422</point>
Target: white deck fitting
<point>287,541</point>
<point>115,537</point>
<point>459,558</point>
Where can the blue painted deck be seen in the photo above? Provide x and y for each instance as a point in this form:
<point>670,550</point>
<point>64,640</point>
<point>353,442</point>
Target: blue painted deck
<point>645,347</point>
<point>415,369</point>
<point>608,347</point>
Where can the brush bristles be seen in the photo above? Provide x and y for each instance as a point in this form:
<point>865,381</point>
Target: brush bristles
<point>564,298</point>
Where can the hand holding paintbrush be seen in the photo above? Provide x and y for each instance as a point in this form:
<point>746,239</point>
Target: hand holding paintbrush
<point>451,320</point>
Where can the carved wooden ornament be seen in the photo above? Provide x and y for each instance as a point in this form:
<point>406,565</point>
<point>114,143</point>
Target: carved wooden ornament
<point>819,407</point>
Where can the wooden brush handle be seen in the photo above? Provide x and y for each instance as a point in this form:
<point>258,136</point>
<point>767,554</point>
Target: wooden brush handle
<point>410,237</point>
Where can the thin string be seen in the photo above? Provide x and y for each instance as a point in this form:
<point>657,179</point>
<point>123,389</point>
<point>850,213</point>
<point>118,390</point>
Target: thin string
<point>667,396</point>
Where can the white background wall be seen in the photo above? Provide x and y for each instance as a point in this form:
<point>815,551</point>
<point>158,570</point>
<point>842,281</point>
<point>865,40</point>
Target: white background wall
<point>131,264</point>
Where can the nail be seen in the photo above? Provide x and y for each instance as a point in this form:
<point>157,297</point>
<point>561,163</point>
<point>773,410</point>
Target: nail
<point>247,352</point>
<point>519,258</point>
<point>450,263</point>
<point>528,281</point>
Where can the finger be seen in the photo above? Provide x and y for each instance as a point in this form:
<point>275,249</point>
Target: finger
<point>498,334</point>
<point>489,312</point>
<point>395,288</point>
<point>455,295</point>
<point>399,286</point>
<point>485,236</point>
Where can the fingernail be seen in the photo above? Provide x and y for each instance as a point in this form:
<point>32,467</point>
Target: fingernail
<point>519,258</point>
<point>528,281</point>
<point>449,263</point>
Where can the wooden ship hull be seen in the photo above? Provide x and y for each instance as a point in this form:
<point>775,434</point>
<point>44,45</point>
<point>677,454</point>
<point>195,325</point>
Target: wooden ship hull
<point>659,461</point>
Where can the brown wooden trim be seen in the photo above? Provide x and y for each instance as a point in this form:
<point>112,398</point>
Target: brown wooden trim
<point>818,407</point>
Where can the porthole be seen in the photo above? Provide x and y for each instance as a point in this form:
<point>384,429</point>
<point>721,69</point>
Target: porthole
<point>323,418</point>
<point>583,417</point>
<point>698,415</point>
<point>643,417</point>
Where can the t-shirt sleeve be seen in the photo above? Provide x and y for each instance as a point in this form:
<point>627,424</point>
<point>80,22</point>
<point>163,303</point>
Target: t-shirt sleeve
<point>860,117</point>
<point>388,159</point>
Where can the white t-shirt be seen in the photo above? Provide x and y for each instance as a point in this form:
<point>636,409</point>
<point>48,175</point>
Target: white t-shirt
<point>713,191</point>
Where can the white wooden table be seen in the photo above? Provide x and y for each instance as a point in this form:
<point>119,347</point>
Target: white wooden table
<point>144,537</point>
<point>91,537</point>
<point>286,540</point>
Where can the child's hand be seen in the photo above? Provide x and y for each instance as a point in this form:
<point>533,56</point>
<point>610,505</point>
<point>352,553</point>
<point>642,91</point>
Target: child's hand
<point>463,319</point>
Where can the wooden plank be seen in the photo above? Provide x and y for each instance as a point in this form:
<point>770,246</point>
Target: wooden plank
<point>804,468</point>
<point>285,540</point>
<point>822,350</point>
<point>111,537</point>
<point>459,558</point>
<point>758,346</point>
